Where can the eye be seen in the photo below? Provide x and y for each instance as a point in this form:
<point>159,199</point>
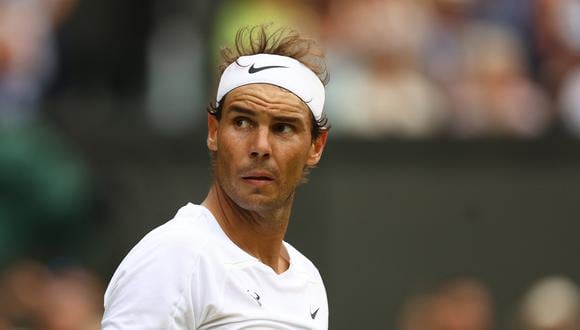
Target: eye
<point>283,128</point>
<point>241,122</point>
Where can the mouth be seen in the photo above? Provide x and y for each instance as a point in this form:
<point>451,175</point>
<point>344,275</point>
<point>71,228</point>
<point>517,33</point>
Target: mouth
<point>258,179</point>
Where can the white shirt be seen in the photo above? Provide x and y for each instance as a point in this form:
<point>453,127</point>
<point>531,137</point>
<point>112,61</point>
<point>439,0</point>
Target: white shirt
<point>187,274</point>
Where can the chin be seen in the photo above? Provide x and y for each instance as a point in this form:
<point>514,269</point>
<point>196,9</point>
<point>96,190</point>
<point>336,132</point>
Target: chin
<point>257,203</point>
<point>258,200</point>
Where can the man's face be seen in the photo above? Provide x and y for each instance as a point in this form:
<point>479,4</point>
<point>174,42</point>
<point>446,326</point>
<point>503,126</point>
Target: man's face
<point>262,144</point>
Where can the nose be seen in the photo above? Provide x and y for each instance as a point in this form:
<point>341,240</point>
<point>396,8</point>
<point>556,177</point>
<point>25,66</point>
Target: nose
<point>260,147</point>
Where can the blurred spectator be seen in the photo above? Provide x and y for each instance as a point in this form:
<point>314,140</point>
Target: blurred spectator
<point>34,297</point>
<point>27,55</point>
<point>377,88</point>
<point>21,287</point>
<point>443,49</point>
<point>26,58</point>
<point>558,40</point>
<point>494,95</point>
<point>552,303</point>
<point>515,15</point>
<point>72,300</point>
<point>379,26</point>
<point>462,304</point>
<point>483,70</point>
<point>569,101</point>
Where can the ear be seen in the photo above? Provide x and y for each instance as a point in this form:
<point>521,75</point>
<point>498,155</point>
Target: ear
<point>316,149</point>
<point>212,132</point>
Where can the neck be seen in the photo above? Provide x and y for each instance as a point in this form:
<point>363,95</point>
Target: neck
<point>258,232</point>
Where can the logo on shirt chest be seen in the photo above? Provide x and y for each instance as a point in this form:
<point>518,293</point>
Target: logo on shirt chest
<point>313,313</point>
<point>255,296</point>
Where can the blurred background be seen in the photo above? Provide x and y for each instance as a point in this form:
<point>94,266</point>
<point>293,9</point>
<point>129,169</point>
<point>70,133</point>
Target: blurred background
<point>447,199</point>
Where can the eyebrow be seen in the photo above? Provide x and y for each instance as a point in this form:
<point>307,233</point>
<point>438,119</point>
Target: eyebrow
<point>242,110</point>
<point>287,119</point>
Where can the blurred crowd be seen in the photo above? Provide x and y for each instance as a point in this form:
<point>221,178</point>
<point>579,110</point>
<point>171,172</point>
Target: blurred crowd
<point>552,303</point>
<point>69,297</point>
<point>399,68</point>
<point>432,68</point>
<point>60,297</point>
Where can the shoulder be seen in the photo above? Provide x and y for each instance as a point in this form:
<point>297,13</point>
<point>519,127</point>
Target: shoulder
<point>184,236</point>
<point>153,280</point>
<point>190,229</point>
<point>179,241</point>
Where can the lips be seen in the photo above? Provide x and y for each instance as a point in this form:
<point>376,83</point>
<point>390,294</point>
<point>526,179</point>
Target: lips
<point>258,177</point>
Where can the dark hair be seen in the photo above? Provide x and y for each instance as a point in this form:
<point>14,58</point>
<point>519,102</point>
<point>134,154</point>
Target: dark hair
<point>282,41</point>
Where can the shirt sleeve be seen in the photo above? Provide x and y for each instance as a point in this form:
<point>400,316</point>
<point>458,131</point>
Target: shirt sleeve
<point>151,289</point>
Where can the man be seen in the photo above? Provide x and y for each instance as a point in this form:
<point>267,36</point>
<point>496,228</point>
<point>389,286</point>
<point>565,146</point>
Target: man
<point>223,264</point>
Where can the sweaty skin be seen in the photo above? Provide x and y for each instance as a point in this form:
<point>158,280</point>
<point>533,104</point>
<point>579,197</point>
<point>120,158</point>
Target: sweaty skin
<point>262,144</point>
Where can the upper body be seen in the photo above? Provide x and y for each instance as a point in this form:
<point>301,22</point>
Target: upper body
<point>187,274</point>
<point>266,130</point>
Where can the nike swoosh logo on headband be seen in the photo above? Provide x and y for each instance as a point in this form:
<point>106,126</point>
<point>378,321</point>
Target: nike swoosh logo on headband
<point>252,69</point>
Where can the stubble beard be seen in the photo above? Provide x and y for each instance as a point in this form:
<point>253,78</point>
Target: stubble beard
<point>273,209</point>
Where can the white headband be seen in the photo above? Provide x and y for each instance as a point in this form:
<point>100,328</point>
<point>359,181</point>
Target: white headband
<point>277,70</point>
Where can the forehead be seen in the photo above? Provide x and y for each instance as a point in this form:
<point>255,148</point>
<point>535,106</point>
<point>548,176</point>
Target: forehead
<point>266,97</point>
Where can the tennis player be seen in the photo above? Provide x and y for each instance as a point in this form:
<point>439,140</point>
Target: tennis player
<point>224,264</point>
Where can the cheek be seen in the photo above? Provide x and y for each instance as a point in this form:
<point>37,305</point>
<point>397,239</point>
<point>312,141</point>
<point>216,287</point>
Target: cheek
<point>229,142</point>
<point>294,165</point>
<point>226,152</point>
